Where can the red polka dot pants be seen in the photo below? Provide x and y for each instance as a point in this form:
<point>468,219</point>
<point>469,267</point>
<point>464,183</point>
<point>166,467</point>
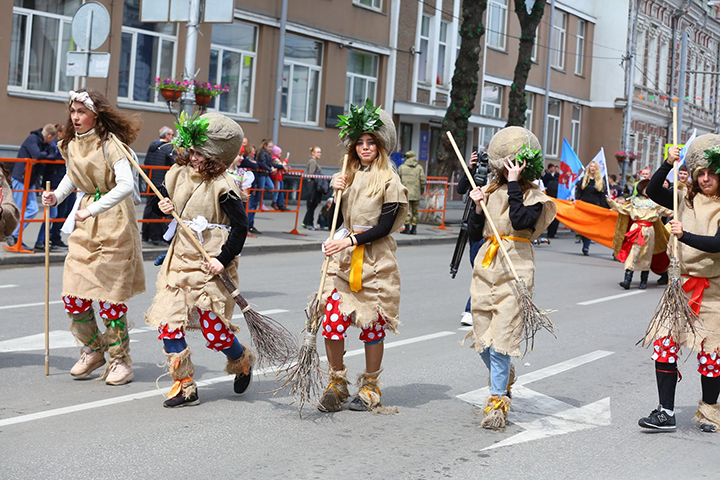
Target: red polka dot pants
<point>666,351</point>
<point>218,336</point>
<point>335,324</point>
<point>108,311</point>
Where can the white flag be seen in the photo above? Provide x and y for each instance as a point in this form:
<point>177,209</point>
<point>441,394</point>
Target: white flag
<point>602,163</point>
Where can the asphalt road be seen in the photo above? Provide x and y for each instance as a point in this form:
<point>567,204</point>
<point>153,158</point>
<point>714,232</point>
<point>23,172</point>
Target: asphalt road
<point>574,415</point>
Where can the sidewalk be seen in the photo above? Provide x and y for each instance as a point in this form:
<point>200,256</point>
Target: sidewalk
<point>272,239</point>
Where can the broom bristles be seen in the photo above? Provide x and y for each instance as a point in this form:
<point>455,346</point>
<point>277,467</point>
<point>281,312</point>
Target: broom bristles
<point>274,343</point>
<point>673,316</point>
<point>534,318</point>
<point>304,378</point>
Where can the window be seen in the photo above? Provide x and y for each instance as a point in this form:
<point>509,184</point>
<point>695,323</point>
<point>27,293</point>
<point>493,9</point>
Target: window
<point>533,54</point>
<point>147,50</point>
<point>497,23</point>
<point>652,54</point>
<point>530,101</point>
<point>553,132</point>
<point>374,4</point>
<point>232,62</point>
<point>492,100</point>
<point>424,49</point>
<point>663,72</point>
<point>442,71</point>
<point>558,41</point>
<point>39,44</point>
<point>575,133</point>
<point>640,56</point>
<point>580,47</point>
<point>301,80</point>
<point>361,80</point>
<point>486,134</point>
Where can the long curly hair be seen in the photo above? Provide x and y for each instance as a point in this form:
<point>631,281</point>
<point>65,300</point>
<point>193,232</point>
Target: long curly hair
<point>211,168</point>
<point>109,120</point>
<point>381,170</point>
<point>599,184</point>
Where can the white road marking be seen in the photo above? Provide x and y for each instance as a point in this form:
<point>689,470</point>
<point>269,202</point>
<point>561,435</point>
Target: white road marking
<point>155,392</point>
<point>612,297</point>
<point>465,329</point>
<point>23,305</point>
<point>8,286</point>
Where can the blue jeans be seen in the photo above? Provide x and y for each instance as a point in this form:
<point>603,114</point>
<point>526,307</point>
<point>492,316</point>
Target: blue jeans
<point>31,208</point>
<point>279,197</point>
<point>474,248</point>
<point>60,211</point>
<point>499,366</point>
<point>586,242</point>
<point>262,183</point>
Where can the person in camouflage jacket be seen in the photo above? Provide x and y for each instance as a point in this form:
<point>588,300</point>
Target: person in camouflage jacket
<point>412,176</point>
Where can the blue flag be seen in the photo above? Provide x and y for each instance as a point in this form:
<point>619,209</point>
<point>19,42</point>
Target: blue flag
<point>570,168</point>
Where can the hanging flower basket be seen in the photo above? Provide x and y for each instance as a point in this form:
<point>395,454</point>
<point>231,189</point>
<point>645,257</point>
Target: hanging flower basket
<point>203,99</point>
<point>171,94</point>
<point>206,91</point>
<point>621,156</point>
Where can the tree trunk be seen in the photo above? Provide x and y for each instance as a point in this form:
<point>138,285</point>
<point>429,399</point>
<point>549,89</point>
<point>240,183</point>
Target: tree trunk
<point>528,25</point>
<point>464,87</point>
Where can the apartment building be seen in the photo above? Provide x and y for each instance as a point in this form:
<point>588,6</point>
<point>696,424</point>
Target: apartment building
<point>336,52</point>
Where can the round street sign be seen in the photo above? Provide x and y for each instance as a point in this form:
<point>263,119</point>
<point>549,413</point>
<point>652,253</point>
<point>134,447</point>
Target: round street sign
<point>92,17</point>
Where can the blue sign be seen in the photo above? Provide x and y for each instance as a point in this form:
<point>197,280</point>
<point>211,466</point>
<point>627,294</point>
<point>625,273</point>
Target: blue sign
<point>424,153</point>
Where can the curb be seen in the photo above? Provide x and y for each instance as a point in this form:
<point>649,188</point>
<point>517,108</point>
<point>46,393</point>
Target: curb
<point>23,260</point>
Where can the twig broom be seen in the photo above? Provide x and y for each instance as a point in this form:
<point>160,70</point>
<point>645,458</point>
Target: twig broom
<point>304,377</point>
<point>534,318</point>
<point>274,343</point>
<point>673,315</point>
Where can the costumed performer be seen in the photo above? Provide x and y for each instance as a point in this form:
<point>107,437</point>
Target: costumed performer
<point>645,237</point>
<point>521,214</point>
<point>9,213</point>
<point>697,228</point>
<point>363,282</point>
<point>189,295</point>
<point>104,260</point>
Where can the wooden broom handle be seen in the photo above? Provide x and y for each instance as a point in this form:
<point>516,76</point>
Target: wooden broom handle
<point>489,220</point>
<point>675,185</point>
<point>47,284</point>
<point>336,213</point>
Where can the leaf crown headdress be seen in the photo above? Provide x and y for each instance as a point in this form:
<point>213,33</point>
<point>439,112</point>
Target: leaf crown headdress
<point>360,120</point>
<point>191,131</point>
<point>713,157</point>
<point>533,162</point>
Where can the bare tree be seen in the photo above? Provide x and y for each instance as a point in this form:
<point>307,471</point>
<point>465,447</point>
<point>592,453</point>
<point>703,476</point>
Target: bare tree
<point>529,20</point>
<point>464,86</point>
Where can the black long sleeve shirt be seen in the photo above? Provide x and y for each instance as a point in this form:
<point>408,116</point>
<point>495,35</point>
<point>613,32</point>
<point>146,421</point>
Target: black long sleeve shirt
<point>664,196</point>
<point>234,208</point>
<point>388,214</point>
<point>521,216</point>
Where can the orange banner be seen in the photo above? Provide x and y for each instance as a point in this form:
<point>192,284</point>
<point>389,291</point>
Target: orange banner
<point>588,220</point>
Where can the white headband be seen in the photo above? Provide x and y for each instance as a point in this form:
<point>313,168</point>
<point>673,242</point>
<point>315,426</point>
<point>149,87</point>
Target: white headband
<point>84,98</point>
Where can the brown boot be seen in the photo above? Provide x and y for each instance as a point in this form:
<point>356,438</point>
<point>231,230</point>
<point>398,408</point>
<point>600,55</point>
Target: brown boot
<point>336,392</point>
<point>496,412</point>
<point>184,391</point>
<point>86,332</point>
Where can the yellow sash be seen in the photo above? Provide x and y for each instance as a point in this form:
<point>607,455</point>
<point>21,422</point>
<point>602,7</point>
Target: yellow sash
<point>493,248</point>
<point>356,265</point>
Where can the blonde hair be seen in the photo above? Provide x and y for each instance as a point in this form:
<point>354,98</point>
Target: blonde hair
<point>597,177</point>
<point>312,149</point>
<point>381,170</point>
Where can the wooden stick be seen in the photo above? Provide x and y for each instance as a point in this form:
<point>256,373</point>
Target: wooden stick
<point>47,284</point>
<point>336,212</point>
<point>675,182</point>
<point>489,220</point>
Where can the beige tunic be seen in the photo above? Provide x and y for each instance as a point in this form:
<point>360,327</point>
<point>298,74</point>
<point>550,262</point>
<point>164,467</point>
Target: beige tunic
<point>380,293</point>
<point>641,209</point>
<point>703,219</point>
<point>184,283</point>
<point>10,212</point>
<point>104,260</point>
<point>496,310</point>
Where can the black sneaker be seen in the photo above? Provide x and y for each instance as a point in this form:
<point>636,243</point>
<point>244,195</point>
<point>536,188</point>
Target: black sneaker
<point>707,428</point>
<point>357,405</point>
<point>242,382</point>
<point>658,420</point>
<point>59,244</point>
<point>10,240</point>
<point>179,400</point>
<point>255,231</point>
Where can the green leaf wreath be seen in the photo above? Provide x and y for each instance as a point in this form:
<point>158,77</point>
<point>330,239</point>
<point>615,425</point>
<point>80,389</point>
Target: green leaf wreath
<point>533,162</point>
<point>713,157</point>
<point>361,120</point>
<point>190,131</point>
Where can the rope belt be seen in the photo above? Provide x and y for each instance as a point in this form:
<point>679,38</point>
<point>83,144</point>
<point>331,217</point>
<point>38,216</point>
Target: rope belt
<point>494,245</point>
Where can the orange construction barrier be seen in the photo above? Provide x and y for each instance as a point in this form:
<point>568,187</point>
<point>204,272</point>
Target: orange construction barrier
<point>286,192</point>
<point>435,198</point>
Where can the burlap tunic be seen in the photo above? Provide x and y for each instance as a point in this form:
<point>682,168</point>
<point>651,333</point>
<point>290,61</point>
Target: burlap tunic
<point>640,209</point>
<point>496,310</point>
<point>184,283</point>
<point>104,260</point>
<point>380,293</point>
<point>703,219</point>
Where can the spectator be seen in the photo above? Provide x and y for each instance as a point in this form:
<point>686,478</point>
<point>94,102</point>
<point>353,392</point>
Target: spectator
<point>326,214</point>
<point>591,190</point>
<point>262,182</point>
<point>614,187</point>
<point>413,177</point>
<point>462,188</point>
<point>36,146</point>
<point>54,173</point>
<point>281,167</point>
<point>683,174</point>
<point>242,176</point>
<point>551,181</point>
<point>161,153</point>
<point>318,186</point>
<point>9,213</point>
